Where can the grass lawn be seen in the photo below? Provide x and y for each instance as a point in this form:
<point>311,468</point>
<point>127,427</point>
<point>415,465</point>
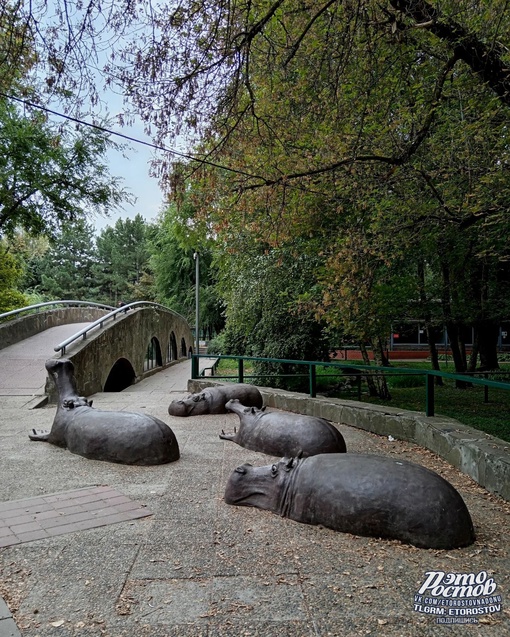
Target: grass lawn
<point>465,405</point>
<point>408,392</point>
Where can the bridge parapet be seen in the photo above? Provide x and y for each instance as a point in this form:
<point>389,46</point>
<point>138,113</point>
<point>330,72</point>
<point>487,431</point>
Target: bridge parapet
<point>21,327</point>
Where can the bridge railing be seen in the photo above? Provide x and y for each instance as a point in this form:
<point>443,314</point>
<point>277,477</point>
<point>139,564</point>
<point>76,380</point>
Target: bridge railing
<point>32,309</point>
<point>359,371</point>
<point>83,333</point>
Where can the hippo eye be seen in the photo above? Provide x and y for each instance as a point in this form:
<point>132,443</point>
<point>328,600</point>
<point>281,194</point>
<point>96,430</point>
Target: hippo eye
<point>274,470</point>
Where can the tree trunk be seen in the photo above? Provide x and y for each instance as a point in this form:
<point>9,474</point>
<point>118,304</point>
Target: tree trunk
<point>382,361</point>
<point>488,334</point>
<point>458,353</point>
<point>432,334</point>
<point>474,352</point>
<point>372,389</point>
<point>452,327</point>
<point>431,330</point>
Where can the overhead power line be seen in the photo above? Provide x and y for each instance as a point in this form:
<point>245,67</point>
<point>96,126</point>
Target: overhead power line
<point>127,137</point>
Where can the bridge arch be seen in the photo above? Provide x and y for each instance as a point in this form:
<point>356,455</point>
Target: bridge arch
<point>153,357</point>
<point>121,376</point>
<point>172,348</point>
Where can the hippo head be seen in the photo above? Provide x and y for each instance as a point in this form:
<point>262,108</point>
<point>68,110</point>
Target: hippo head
<point>178,408</point>
<point>61,371</point>
<point>56,366</point>
<point>260,487</point>
<point>194,405</point>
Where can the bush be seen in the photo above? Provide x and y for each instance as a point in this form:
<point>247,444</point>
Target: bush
<point>217,345</point>
<point>12,300</point>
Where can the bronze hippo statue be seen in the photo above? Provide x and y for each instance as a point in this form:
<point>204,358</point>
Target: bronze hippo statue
<point>283,433</point>
<point>114,436</point>
<point>212,400</point>
<point>360,494</point>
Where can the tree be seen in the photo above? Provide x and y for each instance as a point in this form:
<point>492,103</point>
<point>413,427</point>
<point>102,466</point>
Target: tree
<point>377,124</point>
<point>50,174</point>
<point>67,268</point>
<point>10,274</point>
<point>174,250</point>
<point>356,112</point>
<point>17,52</point>
<point>28,251</point>
<point>50,177</point>
<point>123,253</point>
<point>263,290</point>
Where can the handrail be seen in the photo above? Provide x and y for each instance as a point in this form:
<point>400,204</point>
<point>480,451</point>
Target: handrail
<point>61,347</point>
<point>46,303</point>
<point>429,374</point>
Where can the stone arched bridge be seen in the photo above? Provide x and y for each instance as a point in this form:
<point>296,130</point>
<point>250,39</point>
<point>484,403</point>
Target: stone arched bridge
<point>113,348</point>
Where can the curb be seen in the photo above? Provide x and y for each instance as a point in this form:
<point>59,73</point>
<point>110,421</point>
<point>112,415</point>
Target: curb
<point>484,458</point>
<point>8,627</point>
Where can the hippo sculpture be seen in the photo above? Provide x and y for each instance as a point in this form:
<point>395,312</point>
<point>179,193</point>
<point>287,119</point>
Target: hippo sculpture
<point>212,400</point>
<point>360,494</point>
<point>114,436</point>
<point>282,433</point>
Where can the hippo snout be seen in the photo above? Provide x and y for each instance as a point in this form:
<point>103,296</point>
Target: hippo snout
<point>178,408</point>
<point>237,490</point>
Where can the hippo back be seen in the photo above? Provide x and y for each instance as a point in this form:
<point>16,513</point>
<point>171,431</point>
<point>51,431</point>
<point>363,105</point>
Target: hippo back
<point>379,496</point>
<point>124,437</point>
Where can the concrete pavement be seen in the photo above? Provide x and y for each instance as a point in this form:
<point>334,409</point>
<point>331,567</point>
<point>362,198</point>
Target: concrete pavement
<point>195,566</point>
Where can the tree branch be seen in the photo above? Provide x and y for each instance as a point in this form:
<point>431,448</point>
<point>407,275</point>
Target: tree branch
<point>297,44</point>
<point>483,60</point>
<point>396,160</point>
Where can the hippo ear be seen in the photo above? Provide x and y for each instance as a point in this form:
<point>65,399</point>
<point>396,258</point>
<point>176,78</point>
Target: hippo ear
<point>263,408</point>
<point>241,469</point>
<point>289,463</point>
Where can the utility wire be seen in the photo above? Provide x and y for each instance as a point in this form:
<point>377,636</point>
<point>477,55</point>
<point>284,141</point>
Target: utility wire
<point>127,137</point>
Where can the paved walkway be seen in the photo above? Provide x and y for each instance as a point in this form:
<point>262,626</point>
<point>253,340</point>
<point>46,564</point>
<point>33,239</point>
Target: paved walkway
<point>196,567</point>
<point>22,371</point>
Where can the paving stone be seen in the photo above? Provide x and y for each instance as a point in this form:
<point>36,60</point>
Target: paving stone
<point>59,513</point>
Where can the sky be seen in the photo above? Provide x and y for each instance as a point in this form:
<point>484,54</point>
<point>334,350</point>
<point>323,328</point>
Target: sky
<point>133,165</point>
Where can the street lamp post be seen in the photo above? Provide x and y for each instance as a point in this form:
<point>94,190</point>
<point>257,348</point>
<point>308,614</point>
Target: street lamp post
<point>197,299</point>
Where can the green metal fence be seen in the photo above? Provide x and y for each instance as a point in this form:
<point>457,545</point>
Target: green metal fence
<point>357,371</point>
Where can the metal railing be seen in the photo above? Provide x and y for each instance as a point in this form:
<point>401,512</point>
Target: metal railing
<point>33,309</point>
<point>83,333</point>
<point>359,371</point>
